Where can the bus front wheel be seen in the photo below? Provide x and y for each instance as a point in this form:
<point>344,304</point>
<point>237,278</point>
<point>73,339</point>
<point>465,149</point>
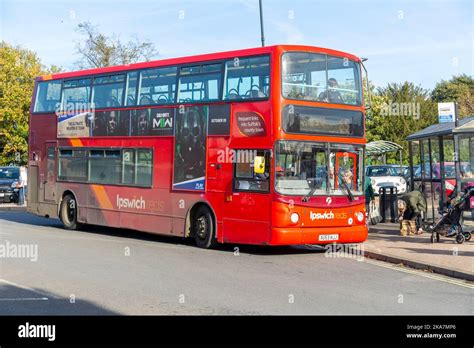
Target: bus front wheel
<point>69,212</point>
<point>203,228</point>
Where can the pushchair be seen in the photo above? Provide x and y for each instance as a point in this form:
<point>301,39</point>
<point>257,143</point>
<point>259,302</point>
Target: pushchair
<point>450,220</point>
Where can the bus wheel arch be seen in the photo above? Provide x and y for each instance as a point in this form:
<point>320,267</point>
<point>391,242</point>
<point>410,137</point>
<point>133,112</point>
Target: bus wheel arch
<point>67,210</point>
<point>201,225</point>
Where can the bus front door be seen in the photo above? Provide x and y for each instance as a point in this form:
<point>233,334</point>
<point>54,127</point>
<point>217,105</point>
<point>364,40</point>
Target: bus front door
<point>49,179</point>
<point>247,207</point>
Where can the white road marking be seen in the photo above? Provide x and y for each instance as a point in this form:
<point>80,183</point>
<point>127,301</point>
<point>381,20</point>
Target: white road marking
<point>28,289</point>
<point>420,273</point>
<point>25,299</point>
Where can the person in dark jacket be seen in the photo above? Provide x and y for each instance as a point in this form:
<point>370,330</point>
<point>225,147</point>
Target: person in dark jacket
<point>410,208</point>
<point>369,194</point>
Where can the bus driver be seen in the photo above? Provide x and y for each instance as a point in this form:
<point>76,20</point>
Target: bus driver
<point>332,95</point>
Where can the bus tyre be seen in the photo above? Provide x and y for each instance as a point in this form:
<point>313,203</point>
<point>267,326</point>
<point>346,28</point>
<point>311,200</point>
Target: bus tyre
<point>203,228</point>
<point>69,213</point>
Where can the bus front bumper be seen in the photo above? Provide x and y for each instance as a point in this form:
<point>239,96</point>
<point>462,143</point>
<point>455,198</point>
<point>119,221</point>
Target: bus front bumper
<point>318,235</point>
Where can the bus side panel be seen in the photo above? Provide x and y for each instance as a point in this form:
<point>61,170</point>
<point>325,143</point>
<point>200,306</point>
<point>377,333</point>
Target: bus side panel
<point>147,223</point>
<point>141,209</point>
<point>247,218</point>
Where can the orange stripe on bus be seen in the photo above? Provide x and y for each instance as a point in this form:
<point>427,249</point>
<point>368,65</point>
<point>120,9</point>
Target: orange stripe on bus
<point>101,196</point>
<point>76,142</point>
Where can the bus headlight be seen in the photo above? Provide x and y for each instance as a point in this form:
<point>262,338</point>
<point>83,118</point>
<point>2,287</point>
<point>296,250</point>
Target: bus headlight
<point>360,216</point>
<point>402,181</point>
<point>372,182</point>
<point>294,217</point>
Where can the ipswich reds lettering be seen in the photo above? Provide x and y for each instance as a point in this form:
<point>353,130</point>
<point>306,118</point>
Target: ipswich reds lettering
<point>131,203</point>
<point>327,215</point>
<point>321,216</point>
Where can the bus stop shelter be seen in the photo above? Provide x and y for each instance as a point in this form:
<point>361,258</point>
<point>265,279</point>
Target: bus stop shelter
<point>380,148</point>
<point>433,167</point>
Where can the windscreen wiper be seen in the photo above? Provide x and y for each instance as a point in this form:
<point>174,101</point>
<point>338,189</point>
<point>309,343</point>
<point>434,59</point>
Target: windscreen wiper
<point>309,194</point>
<point>349,192</point>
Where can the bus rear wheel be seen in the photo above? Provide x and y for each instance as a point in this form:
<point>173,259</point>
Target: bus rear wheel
<point>68,212</point>
<point>203,228</point>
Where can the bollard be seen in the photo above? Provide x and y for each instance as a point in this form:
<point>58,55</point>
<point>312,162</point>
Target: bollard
<point>388,202</point>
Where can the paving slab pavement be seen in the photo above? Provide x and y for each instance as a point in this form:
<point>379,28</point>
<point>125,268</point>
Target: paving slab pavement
<point>446,257</point>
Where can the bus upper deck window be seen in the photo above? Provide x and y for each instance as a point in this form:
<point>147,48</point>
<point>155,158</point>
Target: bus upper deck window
<point>48,95</point>
<point>247,78</point>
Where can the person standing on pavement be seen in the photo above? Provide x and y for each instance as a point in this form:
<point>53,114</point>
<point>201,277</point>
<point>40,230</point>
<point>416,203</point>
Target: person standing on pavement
<point>369,194</point>
<point>22,182</point>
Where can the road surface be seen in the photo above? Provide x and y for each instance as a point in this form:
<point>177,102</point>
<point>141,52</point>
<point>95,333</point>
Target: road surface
<point>111,271</point>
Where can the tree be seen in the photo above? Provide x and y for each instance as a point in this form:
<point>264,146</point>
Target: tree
<point>459,89</point>
<point>18,69</point>
<point>99,50</point>
<point>399,110</point>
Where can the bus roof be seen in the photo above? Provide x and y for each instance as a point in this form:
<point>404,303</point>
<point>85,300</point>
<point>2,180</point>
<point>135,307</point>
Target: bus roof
<point>195,59</point>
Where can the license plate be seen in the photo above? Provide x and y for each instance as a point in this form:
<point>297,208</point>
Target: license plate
<point>325,237</point>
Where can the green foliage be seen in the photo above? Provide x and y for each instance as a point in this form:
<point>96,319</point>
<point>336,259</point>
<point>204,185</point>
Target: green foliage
<point>459,89</point>
<point>18,69</point>
<point>399,110</point>
<point>99,50</point>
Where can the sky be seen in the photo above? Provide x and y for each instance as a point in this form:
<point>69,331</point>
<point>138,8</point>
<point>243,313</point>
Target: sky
<point>422,41</point>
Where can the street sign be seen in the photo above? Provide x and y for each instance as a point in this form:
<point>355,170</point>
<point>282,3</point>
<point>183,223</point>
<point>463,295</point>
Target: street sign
<point>446,112</point>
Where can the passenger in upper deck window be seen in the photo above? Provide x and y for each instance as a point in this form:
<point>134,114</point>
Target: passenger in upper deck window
<point>332,95</point>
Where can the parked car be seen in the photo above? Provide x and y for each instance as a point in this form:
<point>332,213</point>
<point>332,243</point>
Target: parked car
<point>400,170</point>
<point>384,176</point>
<point>9,178</point>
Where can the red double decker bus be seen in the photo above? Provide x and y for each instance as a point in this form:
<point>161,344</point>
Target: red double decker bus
<point>255,146</point>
